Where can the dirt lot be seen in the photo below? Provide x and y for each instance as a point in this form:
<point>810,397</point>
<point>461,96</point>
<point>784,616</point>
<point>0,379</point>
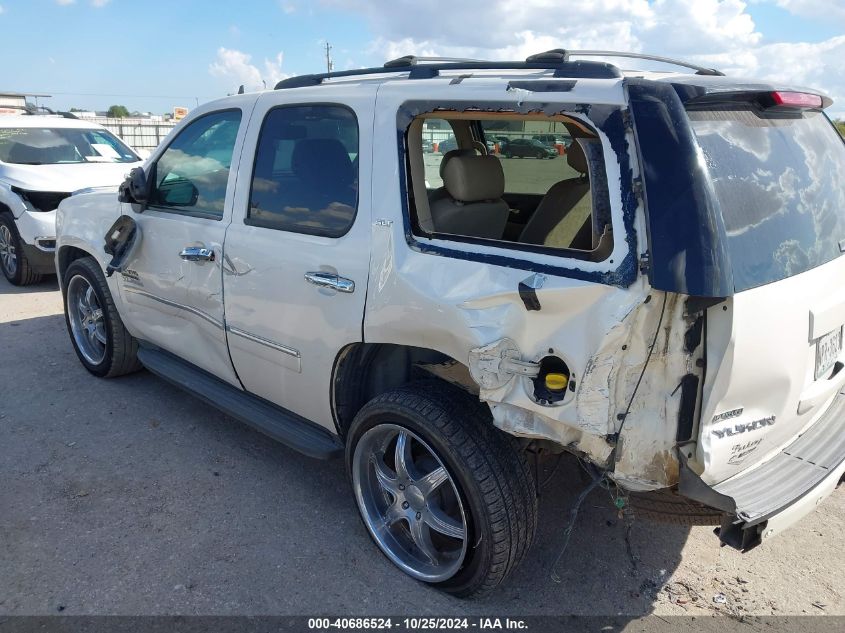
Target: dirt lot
<point>129,497</point>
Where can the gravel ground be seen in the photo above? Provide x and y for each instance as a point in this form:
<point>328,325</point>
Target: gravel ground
<point>129,497</point>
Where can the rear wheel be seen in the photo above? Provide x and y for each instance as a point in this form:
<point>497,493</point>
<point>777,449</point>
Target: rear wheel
<point>98,335</point>
<point>13,262</point>
<point>446,496</point>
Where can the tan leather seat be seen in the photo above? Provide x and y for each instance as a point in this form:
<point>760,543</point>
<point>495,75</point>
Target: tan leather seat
<point>563,217</point>
<point>440,192</point>
<point>474,205</point>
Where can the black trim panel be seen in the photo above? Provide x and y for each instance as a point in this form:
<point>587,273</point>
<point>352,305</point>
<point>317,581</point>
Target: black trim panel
<point>686,234</point>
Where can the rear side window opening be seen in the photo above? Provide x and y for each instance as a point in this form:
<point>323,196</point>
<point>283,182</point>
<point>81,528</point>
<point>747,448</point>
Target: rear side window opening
<point>535,183</point>
<point>778,179</point>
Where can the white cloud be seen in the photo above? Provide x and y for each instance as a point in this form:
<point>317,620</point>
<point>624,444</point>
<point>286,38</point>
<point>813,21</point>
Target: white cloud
<point>236,68</point>
<point>718,33</point>
<point>818,9</point>
<point>1,8</point>
<point>65,3</point>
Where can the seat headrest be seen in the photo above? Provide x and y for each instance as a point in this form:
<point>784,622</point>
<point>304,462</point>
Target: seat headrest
<point>322,160</point>
<point>450,155</point>
<point>474,178</point>
<point>576,157</point>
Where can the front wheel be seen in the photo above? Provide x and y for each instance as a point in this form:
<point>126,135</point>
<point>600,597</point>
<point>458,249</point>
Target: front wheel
<point>99,337</point>
<point>446,496</point>
<point>13,261</point>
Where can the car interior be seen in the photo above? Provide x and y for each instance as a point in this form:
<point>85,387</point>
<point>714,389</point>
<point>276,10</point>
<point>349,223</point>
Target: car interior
<point>476,193</point>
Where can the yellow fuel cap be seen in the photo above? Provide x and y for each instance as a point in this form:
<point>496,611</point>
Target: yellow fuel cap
<point>556,382</point>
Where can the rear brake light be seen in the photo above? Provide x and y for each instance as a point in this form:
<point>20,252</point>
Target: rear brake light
<point>797,99</point>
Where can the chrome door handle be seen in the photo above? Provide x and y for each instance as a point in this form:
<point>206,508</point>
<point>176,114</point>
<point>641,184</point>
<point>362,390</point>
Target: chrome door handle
<point>328,280</point>
<point>197,254</point>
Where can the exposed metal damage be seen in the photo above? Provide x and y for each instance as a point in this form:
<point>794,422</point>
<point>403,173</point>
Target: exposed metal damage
<point>628,400</point>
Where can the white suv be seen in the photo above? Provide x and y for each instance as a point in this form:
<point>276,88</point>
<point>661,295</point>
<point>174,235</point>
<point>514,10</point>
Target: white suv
<point>664,302</point>
<point>43,159</point>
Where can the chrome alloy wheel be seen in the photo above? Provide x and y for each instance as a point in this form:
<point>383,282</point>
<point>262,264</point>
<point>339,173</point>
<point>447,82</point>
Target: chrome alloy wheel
<point>409,503</point>
<point>8,256</point>
<point>86,320</point>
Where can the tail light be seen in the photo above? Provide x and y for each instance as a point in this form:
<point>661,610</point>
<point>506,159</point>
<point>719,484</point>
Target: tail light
<point>796,99</point>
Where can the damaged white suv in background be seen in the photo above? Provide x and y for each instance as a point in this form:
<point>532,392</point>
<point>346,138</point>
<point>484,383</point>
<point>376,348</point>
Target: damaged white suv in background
<point>43,159</point>
<point>665,301</point>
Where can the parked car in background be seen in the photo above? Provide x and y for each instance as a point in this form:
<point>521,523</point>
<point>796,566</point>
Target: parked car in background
<point>546,139</point>
<point>668,309</point>
<point>427,145</point>
<point>528,148</point>
<point>43,160</point>
<point>447,145</point>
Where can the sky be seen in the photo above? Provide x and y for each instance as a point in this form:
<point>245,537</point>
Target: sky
<point>152,55</point>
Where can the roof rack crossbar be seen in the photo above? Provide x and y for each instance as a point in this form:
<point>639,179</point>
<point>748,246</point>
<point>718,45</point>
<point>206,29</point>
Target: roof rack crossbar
<point>413,60</point>
<point>579,69</point>
<point>700,70</point>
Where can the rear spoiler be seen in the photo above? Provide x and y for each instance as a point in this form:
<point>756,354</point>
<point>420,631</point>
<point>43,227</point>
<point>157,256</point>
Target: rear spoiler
<point>766,96</point>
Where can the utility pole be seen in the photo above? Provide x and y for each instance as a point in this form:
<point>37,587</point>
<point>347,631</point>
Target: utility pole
<point>329,63</point>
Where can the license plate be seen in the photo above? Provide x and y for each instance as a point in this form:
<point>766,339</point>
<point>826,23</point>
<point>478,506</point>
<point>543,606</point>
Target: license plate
<point>828,348</point>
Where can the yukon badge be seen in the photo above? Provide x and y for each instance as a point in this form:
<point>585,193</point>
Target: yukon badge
<point>727,415</point>
<point>744,427</point>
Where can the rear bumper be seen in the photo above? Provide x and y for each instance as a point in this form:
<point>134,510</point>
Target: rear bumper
<point>768,499</point>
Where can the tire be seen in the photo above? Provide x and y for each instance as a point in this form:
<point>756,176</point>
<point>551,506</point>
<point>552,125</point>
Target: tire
<point>97,333</point>
<point>540,155</point>
<point>667,506</point>
<point>489,482</point>
<point>508,155</point>
<point>13,261</point>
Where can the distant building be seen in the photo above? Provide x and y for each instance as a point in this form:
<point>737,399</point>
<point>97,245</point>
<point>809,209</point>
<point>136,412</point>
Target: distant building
<point>15,102</point>
<point>142,130</point>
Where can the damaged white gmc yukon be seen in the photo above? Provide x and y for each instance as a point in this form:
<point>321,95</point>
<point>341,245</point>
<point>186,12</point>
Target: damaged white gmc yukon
<point>664,300</point>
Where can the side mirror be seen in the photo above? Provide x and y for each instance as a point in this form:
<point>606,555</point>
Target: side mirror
<point>135,188</point>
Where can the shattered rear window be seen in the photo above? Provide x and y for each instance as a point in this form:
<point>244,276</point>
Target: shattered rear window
<point>780,183</point>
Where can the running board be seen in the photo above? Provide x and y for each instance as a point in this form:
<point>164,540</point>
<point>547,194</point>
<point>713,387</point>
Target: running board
<point>280,424</point>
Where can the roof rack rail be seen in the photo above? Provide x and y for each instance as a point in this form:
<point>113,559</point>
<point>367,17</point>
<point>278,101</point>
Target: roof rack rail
<point>431,67</point>
<point>36,110</point>
<point>565,55</point>
<point>557,59</point>
<point>413,60</point>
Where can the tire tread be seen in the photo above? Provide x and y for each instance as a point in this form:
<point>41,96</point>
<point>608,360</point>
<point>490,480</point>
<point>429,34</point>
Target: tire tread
<point>25,275</point>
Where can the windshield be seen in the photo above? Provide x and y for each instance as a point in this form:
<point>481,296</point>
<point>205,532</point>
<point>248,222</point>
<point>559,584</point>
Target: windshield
<point>51,146</point>
<point>780,183</point>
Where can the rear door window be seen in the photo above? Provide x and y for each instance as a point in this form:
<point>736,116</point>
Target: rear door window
<point>780,182</point>
<point>306,171</point>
